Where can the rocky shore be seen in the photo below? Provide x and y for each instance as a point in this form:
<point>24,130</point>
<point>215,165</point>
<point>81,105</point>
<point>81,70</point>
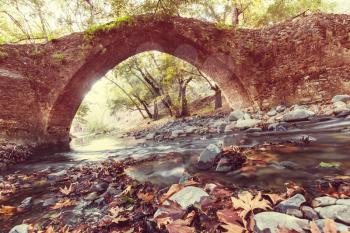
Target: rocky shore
<point>280,118</point>
<point>100,197</point>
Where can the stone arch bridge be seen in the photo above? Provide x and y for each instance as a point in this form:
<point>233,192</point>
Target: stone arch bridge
<point>302,60</point>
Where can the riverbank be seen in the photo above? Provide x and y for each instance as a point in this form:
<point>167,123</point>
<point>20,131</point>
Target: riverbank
<point>101,197</point>
<point>280,118</point>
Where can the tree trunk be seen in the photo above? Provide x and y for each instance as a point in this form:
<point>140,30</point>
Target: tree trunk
<point>145,107</point>
<point>235,15</point>
<point>155,110</point>
<point>218,97</point>
<point>184,105</point>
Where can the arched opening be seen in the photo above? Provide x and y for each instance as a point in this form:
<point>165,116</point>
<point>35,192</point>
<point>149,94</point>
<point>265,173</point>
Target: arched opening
<point>148,88</point>
<point>216,66</point>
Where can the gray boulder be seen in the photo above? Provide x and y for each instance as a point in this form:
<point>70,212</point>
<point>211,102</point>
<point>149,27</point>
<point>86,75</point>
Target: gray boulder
<point>343,98</point>
<point>291,203</point>
<point>271,221</point>
<point>280,108</point>
<point>271,113</point>
<point>323,201</point>
<point>188,196</point>
<point>336,212</point>
<point>340,227</point>
<point>246,124</point>
<point>23,228</point>
<point>309,213</point>
<point>298,115</point>
<point>343,202</point>
<point>236,115</point>
<point>207,157</point>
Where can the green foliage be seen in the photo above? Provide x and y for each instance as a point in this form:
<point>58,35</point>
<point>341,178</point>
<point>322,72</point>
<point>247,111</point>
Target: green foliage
<point>223,26</point>
<point>98,28</point>
<point>329,164</point>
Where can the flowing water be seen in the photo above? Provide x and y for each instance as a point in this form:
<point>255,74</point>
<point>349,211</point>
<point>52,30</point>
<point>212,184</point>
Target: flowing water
<point>299,162</point>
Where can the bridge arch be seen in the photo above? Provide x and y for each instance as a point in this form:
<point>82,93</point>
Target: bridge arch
<point>108,51</point>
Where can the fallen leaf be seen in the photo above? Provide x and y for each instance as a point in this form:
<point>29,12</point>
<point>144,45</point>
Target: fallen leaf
<point>247,203</point>
<point>146,197</point>
<point>275,198</point>
<point>63,203</point>
<point>8,210</point>
<point>66,191</point>
<point>174,228</point>
<point>232,220</point>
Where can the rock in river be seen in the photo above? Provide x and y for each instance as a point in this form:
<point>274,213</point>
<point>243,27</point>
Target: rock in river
<point>323,201</point>
<point>270,221</point>
<point>298,115</point>
<point>343,98</point>
<point>208,156</point>
<point>188,196</point>
<point>236,115</point>
<point>292,203</point>
<point>23,228</point>
<point>336,212</point>
<point>246,124</point>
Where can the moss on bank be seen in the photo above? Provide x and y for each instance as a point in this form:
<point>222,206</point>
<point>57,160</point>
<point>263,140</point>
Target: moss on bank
<point>98,28</point>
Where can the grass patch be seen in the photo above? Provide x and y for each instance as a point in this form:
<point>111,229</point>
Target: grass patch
<point>223,26</point>
<point>329,165</point>
<point>97,28</point>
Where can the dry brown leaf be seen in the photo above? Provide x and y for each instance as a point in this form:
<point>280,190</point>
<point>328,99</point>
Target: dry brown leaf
<point>232,220</point>
<point>275,198</point>
<point>146,197</point>
<point>187,220</point>
<point>126,190</point>
<point>247,203</point>
<point>330,226</point>
<point>8,210</point>
<point>63,203</point>
<point>174,228</point>
<point>314,228</point>
<point>174,189</point>
<point>66,191</point>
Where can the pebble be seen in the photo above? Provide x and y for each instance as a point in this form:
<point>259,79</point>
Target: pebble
<point>335,212</point>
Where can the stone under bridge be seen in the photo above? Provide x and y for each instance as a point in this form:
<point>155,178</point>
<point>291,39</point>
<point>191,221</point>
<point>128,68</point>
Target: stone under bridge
<point>305,60</point>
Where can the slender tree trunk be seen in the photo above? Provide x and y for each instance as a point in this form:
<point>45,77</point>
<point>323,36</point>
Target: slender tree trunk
<point>145,107</point>
<point>218,97</point>
<point>184,105</point>
<point>155,110</point>
<point>235,15</point>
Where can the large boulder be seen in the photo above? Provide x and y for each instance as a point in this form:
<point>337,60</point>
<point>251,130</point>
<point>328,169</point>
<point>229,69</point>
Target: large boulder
<point>271,221</point>
<point>236,115</point>
<point>298,115</point>
<point>247,123</point>
<point>343,98</point>
<point>188,196</point>
<point>323,201</point>
<point>340,227</point>
<point>23,228</point>
<point>291,203</point>
<point>336,212</point>
<point>207,157</point>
